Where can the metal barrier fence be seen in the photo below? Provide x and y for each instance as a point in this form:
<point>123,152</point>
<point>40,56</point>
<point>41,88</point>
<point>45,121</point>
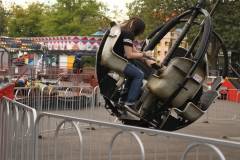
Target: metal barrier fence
<point>49,98</point>
<point>67,138</point>
<point>226,108</point>
<point>16,130</point>
<point>112,141</point>
<point>86,101</point>
<point>80,101</point>
<point>232,95</point>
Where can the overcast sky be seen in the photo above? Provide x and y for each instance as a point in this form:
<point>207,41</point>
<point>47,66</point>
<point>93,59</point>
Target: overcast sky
<point>117,5</point>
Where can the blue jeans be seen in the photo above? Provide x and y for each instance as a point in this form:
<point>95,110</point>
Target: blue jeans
<point>134,80</point>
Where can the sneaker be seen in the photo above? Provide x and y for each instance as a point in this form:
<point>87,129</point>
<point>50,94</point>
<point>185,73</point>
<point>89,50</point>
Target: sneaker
<point>130,106</point>
<point>129,103</point>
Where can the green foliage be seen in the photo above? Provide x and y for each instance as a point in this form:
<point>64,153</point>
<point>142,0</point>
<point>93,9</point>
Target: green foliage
<point>66,17</point>
<point>155,12</point>
<point>83,17</point>
<point>25,22</point>
<point>89,61</point>
<point>227,22</point>
<point>2,19</point>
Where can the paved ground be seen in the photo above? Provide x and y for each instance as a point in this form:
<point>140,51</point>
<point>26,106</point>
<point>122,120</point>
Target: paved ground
<point>223,121</point>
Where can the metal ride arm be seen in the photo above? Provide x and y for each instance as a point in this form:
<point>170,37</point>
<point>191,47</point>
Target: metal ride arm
<point>186,28</point>
<point>200,3</point>
<point>202,49</point>
<point>234,70</point>
<point>198,56</point>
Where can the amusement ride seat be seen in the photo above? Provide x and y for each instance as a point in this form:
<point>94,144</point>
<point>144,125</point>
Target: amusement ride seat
<point>171,79</point>
<point>111,59</point>
<point>165,84</point>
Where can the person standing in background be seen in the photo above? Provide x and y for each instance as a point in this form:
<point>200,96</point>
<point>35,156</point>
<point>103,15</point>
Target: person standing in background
<point>78,64</point>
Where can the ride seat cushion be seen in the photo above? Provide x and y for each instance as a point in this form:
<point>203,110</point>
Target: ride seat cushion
<point>111,59</point>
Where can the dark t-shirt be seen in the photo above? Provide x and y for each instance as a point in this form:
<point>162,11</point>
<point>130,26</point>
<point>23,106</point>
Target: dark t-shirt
<point>125,38</point>
<point>77,64</point>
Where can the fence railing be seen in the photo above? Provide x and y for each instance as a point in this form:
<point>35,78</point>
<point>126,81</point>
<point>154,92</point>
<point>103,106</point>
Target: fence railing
<point>83,101</point>
<point>226,108</point>
<point>47,136</point>
<point>48,98</point>
<point>232,95</point>
<point>16,130</point>
<point>87,102</point>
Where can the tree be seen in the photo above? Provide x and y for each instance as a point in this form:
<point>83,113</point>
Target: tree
<point>74,17</point>
<point>66,17</point>
<point>2,19</point>
<point>155,12</point>
<point>25,22</point>
<point>226,19</point>
<point>16,21</point>
<point>226,23</point>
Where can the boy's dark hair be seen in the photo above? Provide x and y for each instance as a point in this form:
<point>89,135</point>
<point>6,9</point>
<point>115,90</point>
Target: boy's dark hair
<point>134,25</point>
